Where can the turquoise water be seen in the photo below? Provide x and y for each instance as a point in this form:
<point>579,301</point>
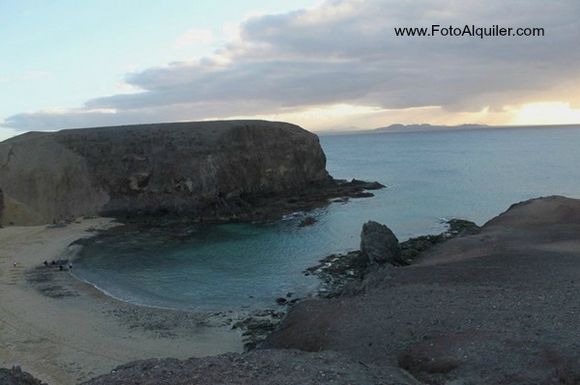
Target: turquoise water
<point>430,176</point>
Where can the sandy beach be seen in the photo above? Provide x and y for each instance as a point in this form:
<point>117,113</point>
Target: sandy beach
<point>73,332</point>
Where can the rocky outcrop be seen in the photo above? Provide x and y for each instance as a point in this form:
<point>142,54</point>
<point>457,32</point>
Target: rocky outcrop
<point>350,273</point>
<point>494,306</point>
<point>195,169</point>
<point>16,376</point>
<point>379,244</point>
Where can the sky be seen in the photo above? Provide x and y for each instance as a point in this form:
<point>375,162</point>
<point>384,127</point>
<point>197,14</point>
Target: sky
<point>326,65</point>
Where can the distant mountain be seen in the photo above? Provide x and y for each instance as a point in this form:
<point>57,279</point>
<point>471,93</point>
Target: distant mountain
<point>394,128</point>
<point>426,127</point>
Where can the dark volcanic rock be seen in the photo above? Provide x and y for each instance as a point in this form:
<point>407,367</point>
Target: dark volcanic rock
<point>259,367</point>
<point>363,194</point>
<point>308,221</point>
<point>256,327</point>
<point>499,307</point>
<point>379,244</point>
<point>368,185</point>
<point>342,273</point>
<point>16,376</point>
<point>411,248</point>
<point>339,271</point>
<point>156,168</point>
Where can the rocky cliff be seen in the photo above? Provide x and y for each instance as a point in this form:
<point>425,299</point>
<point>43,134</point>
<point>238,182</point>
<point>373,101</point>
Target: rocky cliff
<point>177,168</point>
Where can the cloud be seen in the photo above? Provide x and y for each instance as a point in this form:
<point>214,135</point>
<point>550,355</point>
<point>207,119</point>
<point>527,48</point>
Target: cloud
<point>195,37</point>
<point>344,52</point>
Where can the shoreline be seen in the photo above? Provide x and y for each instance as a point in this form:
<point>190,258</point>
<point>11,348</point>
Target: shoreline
<point>77,331</point>
<point>335,274</point>
<point>508,296</point>
<point>151,328</point>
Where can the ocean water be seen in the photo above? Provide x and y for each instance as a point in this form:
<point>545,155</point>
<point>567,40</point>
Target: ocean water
<point>430,177</point>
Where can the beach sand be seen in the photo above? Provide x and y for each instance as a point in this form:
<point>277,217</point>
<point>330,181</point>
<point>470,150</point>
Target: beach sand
<point>64,331</point>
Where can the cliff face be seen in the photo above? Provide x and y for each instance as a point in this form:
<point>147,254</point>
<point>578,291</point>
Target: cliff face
<point>180,168</point>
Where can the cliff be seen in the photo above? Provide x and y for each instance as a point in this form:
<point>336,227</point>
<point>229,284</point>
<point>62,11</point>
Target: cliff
<point>177,168</point>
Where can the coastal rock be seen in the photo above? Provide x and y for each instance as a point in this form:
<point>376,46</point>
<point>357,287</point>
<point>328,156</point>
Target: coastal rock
<point>308,221</point>
<point>368,185</point>
<point>348,274</point>
<point>338,272</point>
<point>495,307</point>
<point>16,376</point>
<point>197,169</point>
<point>413,247</point>
<point>379,244</point>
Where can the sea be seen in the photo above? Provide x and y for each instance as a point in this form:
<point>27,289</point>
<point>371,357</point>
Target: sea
<point>430,177</point>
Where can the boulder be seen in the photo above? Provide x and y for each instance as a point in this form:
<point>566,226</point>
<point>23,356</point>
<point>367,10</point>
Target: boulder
<point>379,244</point>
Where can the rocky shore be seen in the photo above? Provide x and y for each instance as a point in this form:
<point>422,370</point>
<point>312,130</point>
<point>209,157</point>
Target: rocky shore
<point>343,273</point>
<point>492,306</point>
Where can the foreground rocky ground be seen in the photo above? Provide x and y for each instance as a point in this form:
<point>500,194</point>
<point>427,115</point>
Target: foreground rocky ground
<point>280,367</point>
<point>497,306</point>
<point>15,376</point>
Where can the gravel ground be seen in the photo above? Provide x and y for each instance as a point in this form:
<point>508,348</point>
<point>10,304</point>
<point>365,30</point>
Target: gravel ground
<point>499,307</point>
<point>271,367</point>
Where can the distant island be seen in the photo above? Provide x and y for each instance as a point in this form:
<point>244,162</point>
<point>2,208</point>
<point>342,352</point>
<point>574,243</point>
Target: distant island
<point>426,127</point>
<point>398,127</point>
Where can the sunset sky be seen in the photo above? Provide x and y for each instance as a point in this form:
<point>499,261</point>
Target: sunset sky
<point>321,64</point>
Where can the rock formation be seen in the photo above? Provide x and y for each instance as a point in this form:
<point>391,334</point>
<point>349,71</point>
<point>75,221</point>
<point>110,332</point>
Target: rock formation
<point>379,244</point>
<point>177,168</point>
<point>16,376</point>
